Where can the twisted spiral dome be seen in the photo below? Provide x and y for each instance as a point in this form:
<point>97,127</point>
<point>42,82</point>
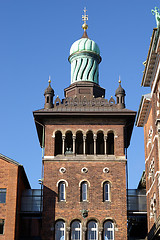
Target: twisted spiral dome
<point>84,44</point>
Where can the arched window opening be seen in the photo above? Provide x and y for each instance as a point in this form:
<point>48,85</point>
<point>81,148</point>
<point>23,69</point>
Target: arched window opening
<point>110,144</point>
<point>68,143</point>
<point>92,231</point>
<point>84,191</point>
<point>47,99</point>
<point>62,191</point>
<point>117,100</point>
<point>76,230</point>
<point>89,143</point>
<point>106,191</point>
<point>58,143</point>
<point>108,230</point>
<point>79,143</point>
<point>60,230</point>
<point>100,143</point>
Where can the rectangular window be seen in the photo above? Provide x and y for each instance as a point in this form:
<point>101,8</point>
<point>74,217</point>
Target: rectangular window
<point>2,195</point>
<point>84,191</point>
<point>62,191</point>
<point>1,226</point>
<point>106,192</point>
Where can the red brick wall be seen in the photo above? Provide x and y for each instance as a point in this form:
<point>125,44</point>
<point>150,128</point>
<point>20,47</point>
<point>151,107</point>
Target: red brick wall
<point>8,180</point>
<point>151,153</point>
<point>70,210</point>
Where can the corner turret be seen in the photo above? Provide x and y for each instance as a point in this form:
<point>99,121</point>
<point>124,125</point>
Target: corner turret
<point>49,94</point>
<point>120,96</point>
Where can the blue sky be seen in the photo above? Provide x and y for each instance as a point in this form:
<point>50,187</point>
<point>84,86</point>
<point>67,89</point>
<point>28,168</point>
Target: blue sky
<point>35,39</point>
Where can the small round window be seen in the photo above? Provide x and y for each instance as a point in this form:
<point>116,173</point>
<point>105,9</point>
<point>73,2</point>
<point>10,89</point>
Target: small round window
<point>106,170</point>
<point>84,170</point>
<point>62,170</point>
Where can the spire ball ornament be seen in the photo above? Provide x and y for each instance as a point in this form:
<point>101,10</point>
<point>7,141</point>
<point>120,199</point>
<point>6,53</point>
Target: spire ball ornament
<point>85,18</point>
<point>49,81</point>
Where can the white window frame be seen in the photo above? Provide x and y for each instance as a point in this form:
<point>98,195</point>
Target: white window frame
<point>105,193</point>
<point>92,229</point>
<point>84,191</point>
<point>60,193</point>
<point>108,229</point>
<point>76,229</point>
<point>61,229</point>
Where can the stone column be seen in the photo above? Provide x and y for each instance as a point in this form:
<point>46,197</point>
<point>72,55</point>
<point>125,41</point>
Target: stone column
<point>84,144</point>
<point>68,233</point>
<point>84,229</point>
<point>63,144</point>
<point>95,138</point>
<point>100,233</point>
<point>74,144</point>
<point>105,145</point>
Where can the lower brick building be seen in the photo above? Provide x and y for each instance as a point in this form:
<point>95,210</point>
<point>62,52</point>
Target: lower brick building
<point>13,181</point>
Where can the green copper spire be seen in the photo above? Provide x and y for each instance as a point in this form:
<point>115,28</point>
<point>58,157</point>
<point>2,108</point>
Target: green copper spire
<point>155,12</point>
<point>84,57</point>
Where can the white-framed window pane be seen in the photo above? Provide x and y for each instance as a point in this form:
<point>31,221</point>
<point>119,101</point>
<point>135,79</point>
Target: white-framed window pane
<point>108,231</point>
<point>62,191</point>
<point>84,191</point>
<point>106,191</point>
<point>76,230</point>
<point>60,230</point>
<point>92,233</point>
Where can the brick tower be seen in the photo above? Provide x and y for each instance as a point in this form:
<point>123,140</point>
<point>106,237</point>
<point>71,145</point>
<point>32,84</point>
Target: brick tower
<point>84,137</point>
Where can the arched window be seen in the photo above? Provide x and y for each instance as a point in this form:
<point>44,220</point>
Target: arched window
<point>84,191</point>
<point>92,231</point>
<point>62,191</point>
<point>108,230</point>
<point>68,142</point>
<point>106,191</point>
<point>79,142</point>
<point>89,143</point>
<point>58,143</point>
<point>110,143</point>
<point>100,143</point>
<point>76,230</point>
<point>60,230</point>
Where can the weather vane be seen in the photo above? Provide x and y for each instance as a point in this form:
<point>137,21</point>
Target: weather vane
<point>85,18</point>
<point>157,15</point>
<point>49,79</point>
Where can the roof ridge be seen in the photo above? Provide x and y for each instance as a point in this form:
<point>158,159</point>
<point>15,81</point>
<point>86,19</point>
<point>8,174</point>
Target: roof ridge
<point>10,160</point>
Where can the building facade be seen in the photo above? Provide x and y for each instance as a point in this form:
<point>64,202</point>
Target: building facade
<point>84,137</point>
<point>149,118</point>
<point>13,181</point>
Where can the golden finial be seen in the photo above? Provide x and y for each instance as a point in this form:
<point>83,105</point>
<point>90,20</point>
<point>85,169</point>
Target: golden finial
<point>119,79</point>
<point>49,79</point>
<point>85,18</point>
